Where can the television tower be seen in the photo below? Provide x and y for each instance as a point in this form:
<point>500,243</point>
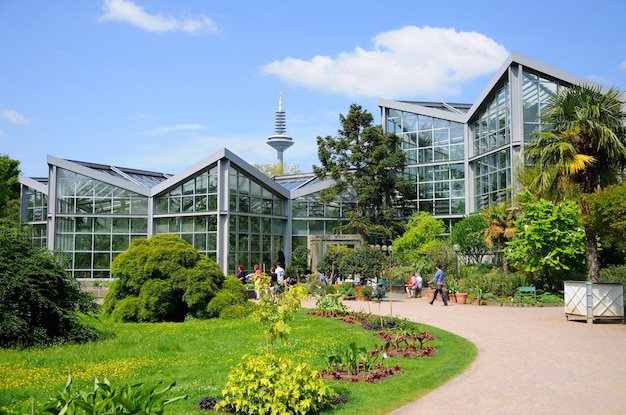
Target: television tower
<point>280,141</point>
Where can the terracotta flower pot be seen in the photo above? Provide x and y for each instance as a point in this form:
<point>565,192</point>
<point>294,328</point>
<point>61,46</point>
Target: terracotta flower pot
<point>431,293</point>
<point>461,298</point>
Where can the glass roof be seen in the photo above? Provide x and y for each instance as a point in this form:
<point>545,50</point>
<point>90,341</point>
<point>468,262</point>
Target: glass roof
<point>142,177</point>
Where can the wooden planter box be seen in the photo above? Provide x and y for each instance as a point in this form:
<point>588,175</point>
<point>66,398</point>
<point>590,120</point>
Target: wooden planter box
<point>588,301</point>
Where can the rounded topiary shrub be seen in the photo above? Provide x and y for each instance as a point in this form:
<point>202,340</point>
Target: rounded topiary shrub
<point>266,383</point>
<point>126,310</point>
<point>156,301</point>
<point>222,300</point>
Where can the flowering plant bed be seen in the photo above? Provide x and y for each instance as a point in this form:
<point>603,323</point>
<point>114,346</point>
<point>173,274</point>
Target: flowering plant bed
<point>378,374</point>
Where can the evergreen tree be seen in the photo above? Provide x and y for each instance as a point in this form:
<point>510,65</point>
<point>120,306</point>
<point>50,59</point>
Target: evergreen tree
<point>364,160</point>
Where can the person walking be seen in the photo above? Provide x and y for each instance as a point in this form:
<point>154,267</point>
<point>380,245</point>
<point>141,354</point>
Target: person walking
<point>438,280</point>
<point>280,277</point>
<point>420,285</point>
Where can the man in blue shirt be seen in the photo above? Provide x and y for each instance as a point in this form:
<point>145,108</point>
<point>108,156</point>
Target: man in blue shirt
<point>438,280</point>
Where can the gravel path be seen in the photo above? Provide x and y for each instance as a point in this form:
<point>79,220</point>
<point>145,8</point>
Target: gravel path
<point>530,360</point>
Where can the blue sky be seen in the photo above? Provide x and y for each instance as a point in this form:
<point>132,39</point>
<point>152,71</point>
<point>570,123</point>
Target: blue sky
<point>159,85</point>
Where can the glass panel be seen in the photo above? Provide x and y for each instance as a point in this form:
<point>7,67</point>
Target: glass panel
<point>199,241</point>
<point>102,206</point>
<point>139,225</point>
<point>84,205</point>
<point>120,242</point>
<point>82,260</point>
<point>84,224</point>
<point>187,224</point>
<point>121,225</point>
<point>187,204</point>
<point>102,242</point>
<point>139,206</point>
<point>299,207</point>
<point>187,237</point>
<point>161,204</point>
<point>83,243</point>
<point>212,223</point>
<point>162,225</point>
<point>212,203</point>
<point>101,260</point>
<point>102,225</point>
<point>201,204</point>
<point>202,183</point>
<point>211,242</point>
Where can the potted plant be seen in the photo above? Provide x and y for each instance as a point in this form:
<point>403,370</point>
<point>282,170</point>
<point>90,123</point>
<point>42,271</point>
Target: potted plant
<point>452,290</point>
<point>431,291</point>
<point>478,293</point>
<point>347,291</point>
<point>461,292</point>
<point>367,292</point>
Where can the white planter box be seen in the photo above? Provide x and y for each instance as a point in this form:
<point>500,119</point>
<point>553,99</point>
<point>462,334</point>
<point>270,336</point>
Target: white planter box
<point>587,301</point>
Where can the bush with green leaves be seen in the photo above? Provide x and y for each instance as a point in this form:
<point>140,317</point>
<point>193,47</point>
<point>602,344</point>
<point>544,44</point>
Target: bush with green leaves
<point>126,310</point>
<point>270,384</point>
<point>613,273</point>
<point>178,281</point>
<point>236,311</point>
<point>157,301</point>
<point>39,300</point>
<point>104,399</point>
<point>222,300</point>
<point>232,284</point>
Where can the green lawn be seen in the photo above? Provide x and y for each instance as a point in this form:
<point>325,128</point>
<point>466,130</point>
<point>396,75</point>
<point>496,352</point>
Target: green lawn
<point>198,356</point>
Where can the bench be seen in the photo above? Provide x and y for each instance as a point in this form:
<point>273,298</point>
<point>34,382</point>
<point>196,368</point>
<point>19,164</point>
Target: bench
<point>524,291</point>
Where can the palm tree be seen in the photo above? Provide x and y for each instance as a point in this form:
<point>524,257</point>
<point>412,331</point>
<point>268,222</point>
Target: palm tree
<point>585,144</point>
<point>500,221</point>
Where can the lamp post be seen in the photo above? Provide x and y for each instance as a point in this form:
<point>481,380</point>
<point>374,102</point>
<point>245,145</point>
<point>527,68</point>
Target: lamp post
<point>456,248</point>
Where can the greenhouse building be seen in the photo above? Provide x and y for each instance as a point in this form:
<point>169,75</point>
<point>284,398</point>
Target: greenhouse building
<point>460,157</point>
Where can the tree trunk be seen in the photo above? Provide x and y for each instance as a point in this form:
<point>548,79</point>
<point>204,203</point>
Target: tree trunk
<point>591,252</point>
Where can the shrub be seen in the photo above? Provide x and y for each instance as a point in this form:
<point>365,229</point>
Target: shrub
<point>116,293</point>
<point>194,278</point>
<point>232,284</point>
<point>222,300</point>
<point>266,383</point>
<point>126,310</point>
<point>613,273</point>
<point>39,300</point>
<point>156,301</point>
<point>237,311</point>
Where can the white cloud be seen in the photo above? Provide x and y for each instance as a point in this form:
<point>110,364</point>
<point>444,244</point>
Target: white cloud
<point>166,129</point>
<point>129,12</point>
<point>410,61</point>
<point>14,117</point>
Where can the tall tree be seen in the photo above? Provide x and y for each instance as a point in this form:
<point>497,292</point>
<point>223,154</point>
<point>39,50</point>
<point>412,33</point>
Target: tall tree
<point>421,233</point>
<point>585,143</point>
<point>500,221</point>
<point>469,235</point>
<point>363,158</point>
<point>607,218</point>
<point>9,186</point>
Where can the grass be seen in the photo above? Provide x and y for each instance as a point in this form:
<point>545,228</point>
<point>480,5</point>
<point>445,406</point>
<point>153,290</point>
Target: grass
<point>198,355</point>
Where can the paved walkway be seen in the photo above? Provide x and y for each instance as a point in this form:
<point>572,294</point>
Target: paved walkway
<point>531,360</point>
